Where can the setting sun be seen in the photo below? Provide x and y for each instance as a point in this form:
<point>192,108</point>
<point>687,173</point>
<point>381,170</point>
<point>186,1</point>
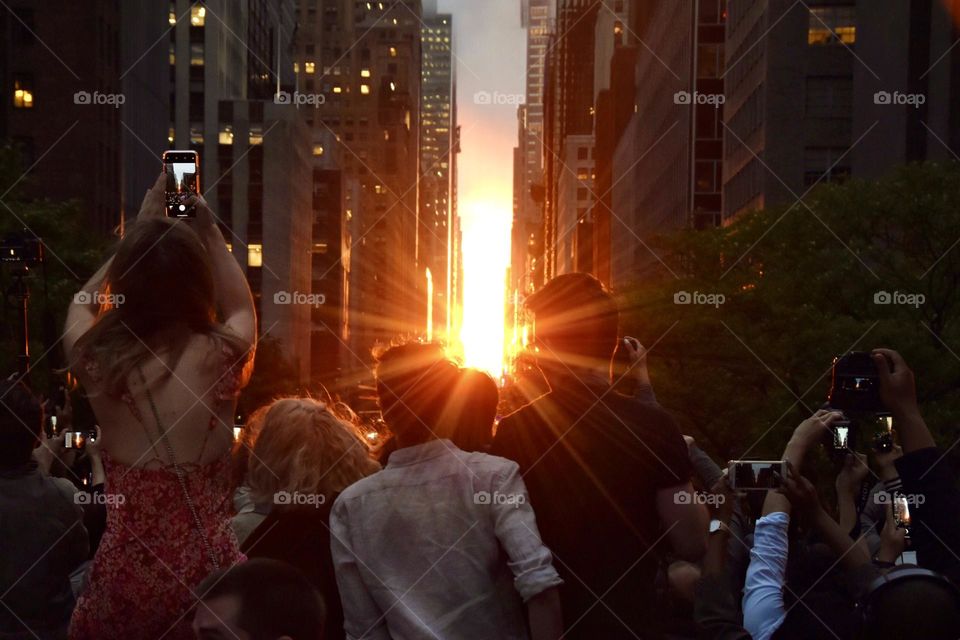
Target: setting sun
<point>486,254</point>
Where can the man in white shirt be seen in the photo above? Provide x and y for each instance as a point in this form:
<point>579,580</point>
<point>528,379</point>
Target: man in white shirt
<point>441,543</point>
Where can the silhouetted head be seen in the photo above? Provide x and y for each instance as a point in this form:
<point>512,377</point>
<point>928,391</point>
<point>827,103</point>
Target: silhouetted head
<point>259,599</point>
<point>157,293</point>
<point>414,385</point>
<point>474,410</point>
<point>576,322</point>
<point>909,602</point>
<point>163,275</point>
<point>21,418</point>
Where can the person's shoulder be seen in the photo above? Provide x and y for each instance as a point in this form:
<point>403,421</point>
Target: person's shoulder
<point>358,489</point>
<point>489,463</point>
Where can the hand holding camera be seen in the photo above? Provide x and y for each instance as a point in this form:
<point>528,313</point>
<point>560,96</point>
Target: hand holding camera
<point>799,491</point>
<point>897,386</point>
<point>852,474</point>
<point>893,538</point>
<point>810,431</point>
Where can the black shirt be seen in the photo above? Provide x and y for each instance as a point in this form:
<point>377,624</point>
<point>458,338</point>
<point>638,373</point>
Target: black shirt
<point>300,536</point>
<point>593,461</point>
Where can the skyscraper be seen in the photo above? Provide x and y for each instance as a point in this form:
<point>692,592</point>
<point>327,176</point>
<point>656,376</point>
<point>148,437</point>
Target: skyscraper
<point>227,63</point>
<point>438,157</point>
<point>666,168</point>
<point>62,102</point>
<point>526,267</point>
<point>568,111</point>
<point>819,97</point>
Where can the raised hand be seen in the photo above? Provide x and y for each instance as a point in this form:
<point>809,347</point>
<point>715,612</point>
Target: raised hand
<point>154,205</point>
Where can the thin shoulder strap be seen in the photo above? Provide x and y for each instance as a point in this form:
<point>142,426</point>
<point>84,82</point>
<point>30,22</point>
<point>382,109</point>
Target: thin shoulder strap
<point>179,473</point>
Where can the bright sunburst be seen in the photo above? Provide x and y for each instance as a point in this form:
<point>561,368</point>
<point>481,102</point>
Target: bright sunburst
<point>486,254</point>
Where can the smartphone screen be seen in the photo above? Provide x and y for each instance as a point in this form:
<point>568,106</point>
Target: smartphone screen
<point>901,511</point>
<point>755,475</point>
<point>74,439</point>
<point>841,436</point>
<point>183,180</point>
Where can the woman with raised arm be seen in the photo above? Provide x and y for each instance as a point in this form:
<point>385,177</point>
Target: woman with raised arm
<point>162,339</point>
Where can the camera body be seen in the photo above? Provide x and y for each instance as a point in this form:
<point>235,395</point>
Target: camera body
<point>855,390</point>
<point>855,384</point>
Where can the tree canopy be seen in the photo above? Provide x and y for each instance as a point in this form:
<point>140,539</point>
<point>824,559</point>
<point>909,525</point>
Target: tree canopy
<point>854,266</point>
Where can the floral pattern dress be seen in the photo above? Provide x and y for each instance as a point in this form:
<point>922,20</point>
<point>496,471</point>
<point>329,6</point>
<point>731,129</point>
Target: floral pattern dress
<point>151,557</point>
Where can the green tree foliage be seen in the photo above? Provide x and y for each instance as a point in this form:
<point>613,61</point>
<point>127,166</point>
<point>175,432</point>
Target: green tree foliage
<point>73,253</point>
<point>800,286</point>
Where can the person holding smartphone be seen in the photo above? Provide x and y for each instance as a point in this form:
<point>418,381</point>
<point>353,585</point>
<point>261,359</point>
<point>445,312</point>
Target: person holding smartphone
<point>162,339</point>
<point>41,528</point>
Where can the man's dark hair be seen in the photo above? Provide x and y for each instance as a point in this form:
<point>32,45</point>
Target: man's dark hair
<point>275,599</point>
<point>476,399</point>
<point>577,315</point>
<point>414,385</point>
<point>21,418</point>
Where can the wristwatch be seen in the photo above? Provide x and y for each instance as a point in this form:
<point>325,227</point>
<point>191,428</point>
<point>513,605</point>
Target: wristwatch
<point>716,525</point>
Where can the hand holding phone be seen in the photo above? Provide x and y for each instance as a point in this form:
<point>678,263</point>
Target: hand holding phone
<point>153,200</point>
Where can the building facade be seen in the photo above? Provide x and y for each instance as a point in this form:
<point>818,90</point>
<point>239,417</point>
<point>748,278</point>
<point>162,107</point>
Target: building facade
<point>438,157</point>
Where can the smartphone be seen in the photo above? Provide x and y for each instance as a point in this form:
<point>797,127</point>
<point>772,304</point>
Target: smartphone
<point>755,475</point>
<point>901,512</point>
<point>77,439</point>
<point>50,427</point>
<point>182,169</point>
<point>883,439</point>
<point>907,557</point>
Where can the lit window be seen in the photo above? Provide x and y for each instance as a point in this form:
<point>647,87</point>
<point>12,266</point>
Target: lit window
<point>198,16</point>
<point>310,67</point>
<point>172,18</point>
<point>393,52</point>
<point>226,135</point>
<point>337,89</point>
<point>196,134</point>
<point>256,135</point>
<point>255,255</point>
<point>170,135</point>
<point>196,55</point>
<point>365,89</point>
<point>173,54</point>
<point>22,95</point>
<point>832,25</point>
<point>230,247</point>
<point>318,150</point>
<point>365,73</point>
<point>296,67</point>
<point>393,86</point>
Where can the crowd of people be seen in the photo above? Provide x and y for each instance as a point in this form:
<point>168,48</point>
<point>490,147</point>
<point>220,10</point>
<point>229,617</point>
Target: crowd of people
<point>584,514</point>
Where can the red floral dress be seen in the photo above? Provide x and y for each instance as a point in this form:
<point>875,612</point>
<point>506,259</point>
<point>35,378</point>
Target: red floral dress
<point>152,557</point>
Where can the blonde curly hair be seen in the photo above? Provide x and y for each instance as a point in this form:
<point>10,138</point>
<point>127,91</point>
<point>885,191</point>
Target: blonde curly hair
<point>301,445</point>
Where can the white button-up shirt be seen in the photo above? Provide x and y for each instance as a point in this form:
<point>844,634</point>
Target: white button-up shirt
<point>763,608</point>
<point>440,544</point>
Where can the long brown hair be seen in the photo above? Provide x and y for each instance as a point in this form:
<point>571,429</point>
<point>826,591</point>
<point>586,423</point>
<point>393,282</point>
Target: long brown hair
<point>158,293</point>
